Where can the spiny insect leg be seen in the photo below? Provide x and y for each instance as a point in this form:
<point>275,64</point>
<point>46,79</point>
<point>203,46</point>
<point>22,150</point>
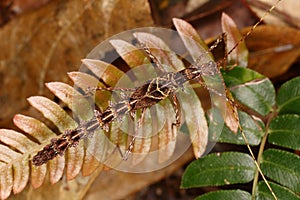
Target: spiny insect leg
<point>128,150</point>
<point>176,106</point>
<point>153,58</point>
<point>140,120</point>
<point>220,39</point>
<point>132,141</point>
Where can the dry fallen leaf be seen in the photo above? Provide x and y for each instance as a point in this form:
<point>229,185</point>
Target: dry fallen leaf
<point>285,12</point>
<point>45,44</point>
<point>273,49</point>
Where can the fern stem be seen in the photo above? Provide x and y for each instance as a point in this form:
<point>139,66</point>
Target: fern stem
<point>256,175</point>
<point>259,157</point>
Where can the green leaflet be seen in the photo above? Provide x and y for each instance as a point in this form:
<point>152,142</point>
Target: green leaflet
<point>282,193</point>
<point>284,131</point>
<point>225,194</point>
<point>282,167</point>
<point>219,169</point>
<point>288,98</point>
<point>254,130</point>
<point>251,89</point>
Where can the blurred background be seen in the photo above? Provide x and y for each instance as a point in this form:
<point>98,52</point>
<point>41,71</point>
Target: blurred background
<point>42,40</point>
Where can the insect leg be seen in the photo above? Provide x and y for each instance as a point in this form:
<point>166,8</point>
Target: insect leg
<point>203,56</point>
<point>153,58</point>
<point>176,106</point>
<point>131,143</point>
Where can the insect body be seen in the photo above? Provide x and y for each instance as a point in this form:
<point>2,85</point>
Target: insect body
<point>162,87</point>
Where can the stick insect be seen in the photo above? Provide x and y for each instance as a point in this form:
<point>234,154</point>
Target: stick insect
<point>142,97</point>
<point>148,94</point>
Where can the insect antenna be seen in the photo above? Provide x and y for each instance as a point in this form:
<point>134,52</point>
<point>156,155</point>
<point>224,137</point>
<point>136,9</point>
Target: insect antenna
<point>251,29</point>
